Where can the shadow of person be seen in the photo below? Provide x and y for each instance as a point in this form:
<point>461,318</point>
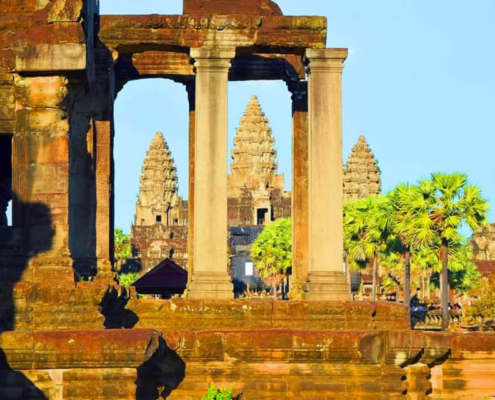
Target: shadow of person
<point>17,245</point>
<point>159,376</point>
<point>113,308</point>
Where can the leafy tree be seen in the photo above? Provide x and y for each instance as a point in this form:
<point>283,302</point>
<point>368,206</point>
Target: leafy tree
<point>122,247</point>
<point>426,263</point>
<point>272,252</point>
<point>127,279</point>
<point>403,243</point>
<point>440,206</point>
<point>368,227</point>
<point>484,306</point>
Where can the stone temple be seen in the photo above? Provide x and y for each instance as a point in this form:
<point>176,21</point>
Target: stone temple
<point>62,65</point>
<point>256,192</point>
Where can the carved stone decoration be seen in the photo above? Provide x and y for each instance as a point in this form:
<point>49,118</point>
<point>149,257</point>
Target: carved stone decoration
<point>361,173</point>
<point>484,244</point>
<point>159,185</point>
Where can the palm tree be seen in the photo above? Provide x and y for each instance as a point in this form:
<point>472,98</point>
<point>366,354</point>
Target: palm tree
<point>367,228</point>
<point>271,253</point>
<point>440,206</point>
<point>402,219</point>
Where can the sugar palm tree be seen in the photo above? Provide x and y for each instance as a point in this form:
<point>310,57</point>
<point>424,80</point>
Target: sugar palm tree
<point>440,206</point>
<point>367,228</point>
<point>402,220</point>
<point>271,253</point>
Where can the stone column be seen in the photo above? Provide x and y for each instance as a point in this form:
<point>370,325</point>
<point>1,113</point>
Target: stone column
<point>210,279</point>
<point>191,95</point>
<point>326,279</point>
<point>41,177</point>
<point>300,209</point>
<point>103,131</point>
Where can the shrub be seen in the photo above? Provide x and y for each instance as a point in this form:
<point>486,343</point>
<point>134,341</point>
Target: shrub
<point>220,394</point>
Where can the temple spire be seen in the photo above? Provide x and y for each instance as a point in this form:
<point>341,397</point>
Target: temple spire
<point>254,164</point>
<point>361,173</point>
<point>159,184</point>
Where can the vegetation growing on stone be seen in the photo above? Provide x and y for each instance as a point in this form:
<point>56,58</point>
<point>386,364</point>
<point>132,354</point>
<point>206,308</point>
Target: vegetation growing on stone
<point>220,394</point>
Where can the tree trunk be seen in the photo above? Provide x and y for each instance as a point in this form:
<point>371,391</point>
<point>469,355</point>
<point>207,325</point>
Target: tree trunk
<point>347,269</point>
<point>274,286</point>
<point>407,277</point>
<point>375,278</point>
<point>445,284</point>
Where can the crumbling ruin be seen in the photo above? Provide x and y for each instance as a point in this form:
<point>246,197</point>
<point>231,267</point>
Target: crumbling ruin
<point>61,65</point>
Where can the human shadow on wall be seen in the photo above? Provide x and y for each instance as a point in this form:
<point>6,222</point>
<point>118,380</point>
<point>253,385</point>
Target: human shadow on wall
<point>113,308</point>
<point>17,246</point>
<point>158,377</point>
<point>161,374</point>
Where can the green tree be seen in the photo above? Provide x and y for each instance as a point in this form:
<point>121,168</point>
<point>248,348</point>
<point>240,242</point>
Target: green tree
<point>122,248</point>
<point>272,252</point>
<point>440,206</point>
<point>484,307</point>
<point>402,220</point>
<point>127,279</point>
<point>368,225</point>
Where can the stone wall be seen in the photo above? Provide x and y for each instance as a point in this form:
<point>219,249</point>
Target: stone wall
<point>267,350</point>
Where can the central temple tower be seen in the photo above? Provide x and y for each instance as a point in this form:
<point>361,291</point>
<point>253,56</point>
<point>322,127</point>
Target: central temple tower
<point>254,180</point>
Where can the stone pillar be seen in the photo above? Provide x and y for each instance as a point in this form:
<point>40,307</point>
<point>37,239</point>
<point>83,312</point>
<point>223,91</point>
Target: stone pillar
<point>326,279</point>
<point>210,279</point>
<point>300,209</point>
<point>41,177</point>
<point>103,131</point>
<point>191,95</point>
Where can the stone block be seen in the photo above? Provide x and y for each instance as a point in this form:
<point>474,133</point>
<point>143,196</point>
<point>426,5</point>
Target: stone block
<point>66,11</point>
<point>227,7</point>
<point>44,121</point>
<point>42,92</point>
<point>41,148</point>
<point>7,101</point>
<point>52,57</point>
<point>49,178</point>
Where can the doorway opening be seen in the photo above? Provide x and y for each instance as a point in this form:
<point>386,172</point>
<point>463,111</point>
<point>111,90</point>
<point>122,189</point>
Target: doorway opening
<point>260,172</point>
<point>151,155</point>
<point>261,216</point>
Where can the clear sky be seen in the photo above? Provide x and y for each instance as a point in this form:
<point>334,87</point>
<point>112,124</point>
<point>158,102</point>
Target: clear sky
<point>419,83</point>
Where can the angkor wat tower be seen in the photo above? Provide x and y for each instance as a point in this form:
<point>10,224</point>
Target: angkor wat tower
<point>361,173</point>
<point>159,186</point>
<point>159,229</point>
<point>256,192</point>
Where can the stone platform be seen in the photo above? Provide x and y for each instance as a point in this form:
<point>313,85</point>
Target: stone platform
<point>267,350</point>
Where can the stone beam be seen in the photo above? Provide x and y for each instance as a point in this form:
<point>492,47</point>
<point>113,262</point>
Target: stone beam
<point>79,349</point>
<point>130,34</point>
<point>178,66</point>
<point>164,64</point>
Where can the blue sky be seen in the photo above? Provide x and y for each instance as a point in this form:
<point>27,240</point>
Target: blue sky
<point>419,83</point>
